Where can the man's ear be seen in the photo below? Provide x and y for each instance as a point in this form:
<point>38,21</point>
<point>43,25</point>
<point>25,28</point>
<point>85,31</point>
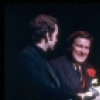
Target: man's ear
<point>48,37</point>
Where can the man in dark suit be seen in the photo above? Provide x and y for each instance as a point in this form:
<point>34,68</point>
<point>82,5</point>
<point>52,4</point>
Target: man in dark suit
<point>36,79</point>
<point>73,70</point>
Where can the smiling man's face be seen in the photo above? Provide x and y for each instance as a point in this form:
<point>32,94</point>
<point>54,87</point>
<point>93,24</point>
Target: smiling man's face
<point>80,50</point>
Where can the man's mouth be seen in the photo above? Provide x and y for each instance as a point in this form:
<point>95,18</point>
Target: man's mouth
<point>81,56</point>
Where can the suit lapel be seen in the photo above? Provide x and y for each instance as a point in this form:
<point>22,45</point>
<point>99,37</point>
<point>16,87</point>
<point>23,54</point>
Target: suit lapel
<point>49,69</point>
<point>45,65</point>
<point>73,77</point>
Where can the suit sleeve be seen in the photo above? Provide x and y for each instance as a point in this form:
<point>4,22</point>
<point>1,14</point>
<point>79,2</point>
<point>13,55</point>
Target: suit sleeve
<point>30,85</point>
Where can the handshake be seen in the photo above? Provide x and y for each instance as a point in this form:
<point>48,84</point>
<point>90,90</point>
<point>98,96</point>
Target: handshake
<point>93,93</point>
<point>95,88</point>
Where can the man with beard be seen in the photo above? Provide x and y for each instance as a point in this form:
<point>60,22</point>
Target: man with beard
<point>37,80</point>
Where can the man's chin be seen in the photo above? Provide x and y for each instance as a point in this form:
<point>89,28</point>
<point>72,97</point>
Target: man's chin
<point>81,62</point>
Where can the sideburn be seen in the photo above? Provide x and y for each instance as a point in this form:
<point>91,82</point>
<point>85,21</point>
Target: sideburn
<point>46,38</point>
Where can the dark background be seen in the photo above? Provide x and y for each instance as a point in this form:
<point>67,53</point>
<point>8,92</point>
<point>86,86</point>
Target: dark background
<point>70,16</point>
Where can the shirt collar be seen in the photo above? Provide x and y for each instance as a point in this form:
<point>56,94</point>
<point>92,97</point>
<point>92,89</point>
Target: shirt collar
<point>75,67</point>
<point>39,50</point>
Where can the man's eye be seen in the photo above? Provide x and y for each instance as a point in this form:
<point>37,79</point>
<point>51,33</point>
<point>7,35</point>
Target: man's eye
<point>79,45</point>
<point>87,48</point>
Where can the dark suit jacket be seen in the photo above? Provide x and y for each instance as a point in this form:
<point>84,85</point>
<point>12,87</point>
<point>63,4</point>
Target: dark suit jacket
<point>67,75</point>
<point>36,80</point>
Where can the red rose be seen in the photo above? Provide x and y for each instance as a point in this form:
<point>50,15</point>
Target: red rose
<point>91,72</point>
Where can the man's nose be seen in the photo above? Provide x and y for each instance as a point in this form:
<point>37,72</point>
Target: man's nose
<point>84,51</point>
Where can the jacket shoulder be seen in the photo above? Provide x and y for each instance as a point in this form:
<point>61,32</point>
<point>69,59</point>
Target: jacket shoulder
<point>59,59</point>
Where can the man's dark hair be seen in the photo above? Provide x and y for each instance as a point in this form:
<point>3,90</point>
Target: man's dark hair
<point>81,34</point>
<point>42,24</point>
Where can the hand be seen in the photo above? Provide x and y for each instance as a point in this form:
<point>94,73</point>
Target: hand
<point>85,96</point>
<point>80,95</point>
<point>89,94</point>
<point>97,88</point>
<point>97,97</point>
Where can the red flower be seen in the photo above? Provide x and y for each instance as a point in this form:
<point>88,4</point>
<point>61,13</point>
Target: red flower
<point>91,72</point>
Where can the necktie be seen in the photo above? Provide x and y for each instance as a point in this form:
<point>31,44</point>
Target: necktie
<point>83,82</point>
<point>78,73</point>
<point>81,77</point>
